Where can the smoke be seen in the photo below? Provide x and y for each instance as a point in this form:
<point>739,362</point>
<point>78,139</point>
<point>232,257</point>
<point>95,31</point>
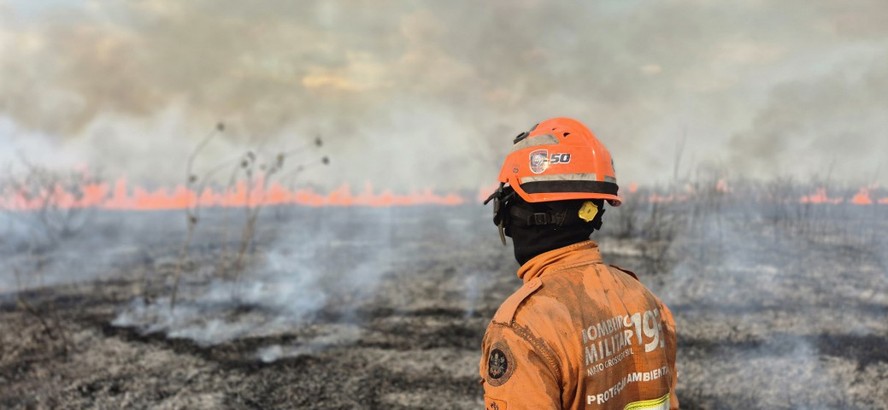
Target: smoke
<point>329,276</point>
<point>336,336</point>
<point>832,121</point>
<point>309,264</point>
<point>778,298</point>
<point>98,246</point>
<point>412,94</point>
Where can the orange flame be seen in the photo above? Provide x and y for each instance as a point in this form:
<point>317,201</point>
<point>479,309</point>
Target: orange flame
<point>123,196</point>
<point>136,198</point>
<point>820,197</point>
<point>862,197</point>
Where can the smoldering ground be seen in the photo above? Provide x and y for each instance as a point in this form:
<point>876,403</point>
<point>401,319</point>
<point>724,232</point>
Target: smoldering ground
<point>386,307</point>
<point>779,304</point>
<point>777,309</point>
<point>345,301</point>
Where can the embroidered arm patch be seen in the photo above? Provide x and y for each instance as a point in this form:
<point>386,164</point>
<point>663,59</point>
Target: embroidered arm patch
<point>500,364</point>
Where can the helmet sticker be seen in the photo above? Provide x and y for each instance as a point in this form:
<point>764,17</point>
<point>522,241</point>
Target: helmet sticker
<point>539,161</point>
<point>558,158</point>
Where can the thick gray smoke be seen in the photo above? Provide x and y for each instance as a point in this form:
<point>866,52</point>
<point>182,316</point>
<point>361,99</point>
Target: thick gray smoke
<point>306,268</point>
<point>408,92</point>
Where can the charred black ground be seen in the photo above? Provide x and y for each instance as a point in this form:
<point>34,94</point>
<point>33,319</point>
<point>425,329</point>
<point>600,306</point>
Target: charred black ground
<point>771,315</point>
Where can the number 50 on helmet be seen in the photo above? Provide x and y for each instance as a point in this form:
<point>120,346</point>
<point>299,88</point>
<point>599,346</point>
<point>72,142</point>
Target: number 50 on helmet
<point>560,159</point>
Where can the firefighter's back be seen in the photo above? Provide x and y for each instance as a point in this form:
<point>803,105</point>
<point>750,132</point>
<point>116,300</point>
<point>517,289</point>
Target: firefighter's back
<point>593,336</point>
<point>624,354</point>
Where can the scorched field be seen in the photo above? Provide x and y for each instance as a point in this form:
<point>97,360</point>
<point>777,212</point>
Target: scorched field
<point>776,306</point>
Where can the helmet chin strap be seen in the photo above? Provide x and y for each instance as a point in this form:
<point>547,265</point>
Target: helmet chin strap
<point>506,213</point>
<point>500,198</point>
<point>539,228</point>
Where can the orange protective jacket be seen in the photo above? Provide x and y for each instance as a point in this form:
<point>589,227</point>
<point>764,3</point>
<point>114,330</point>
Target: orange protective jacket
<point>579,334</point>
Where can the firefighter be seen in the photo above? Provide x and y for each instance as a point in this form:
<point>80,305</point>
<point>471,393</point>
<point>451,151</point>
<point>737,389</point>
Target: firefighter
<point>578,333</point>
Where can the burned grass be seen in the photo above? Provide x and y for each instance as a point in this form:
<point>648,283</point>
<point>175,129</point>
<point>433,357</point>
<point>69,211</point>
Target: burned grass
<point>375,309</point>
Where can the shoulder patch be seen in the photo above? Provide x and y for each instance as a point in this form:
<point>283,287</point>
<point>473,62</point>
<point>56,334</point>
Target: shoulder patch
<point>500,364</point>
<point>632,274</point>
<point>507,310</point>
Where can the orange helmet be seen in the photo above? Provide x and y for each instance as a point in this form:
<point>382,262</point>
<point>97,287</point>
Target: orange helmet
<point>560,159</point>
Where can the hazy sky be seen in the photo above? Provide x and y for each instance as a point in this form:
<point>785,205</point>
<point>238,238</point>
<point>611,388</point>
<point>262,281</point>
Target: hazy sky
<point>429,93</point>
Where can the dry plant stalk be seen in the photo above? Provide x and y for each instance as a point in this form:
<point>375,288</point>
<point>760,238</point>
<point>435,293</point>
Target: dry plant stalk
<point>53,197</point>
<point>222,264</point>
<point>252,169</point>
<point>252,208</point>
<point>50,321</point>
<point>54,213</point>
<point>192,212</point>
<point>253,172</point>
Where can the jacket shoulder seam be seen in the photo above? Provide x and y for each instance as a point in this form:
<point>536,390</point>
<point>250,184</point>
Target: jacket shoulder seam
<point>506,312</point>
<point>626,271</point>
<point>542,348</point>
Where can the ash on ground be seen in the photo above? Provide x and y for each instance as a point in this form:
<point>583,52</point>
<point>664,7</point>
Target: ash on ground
<point>385,308</point>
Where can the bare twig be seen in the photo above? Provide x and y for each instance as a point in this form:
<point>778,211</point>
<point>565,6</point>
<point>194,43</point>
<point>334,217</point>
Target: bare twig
<point>191,212</point>
<point>55,331</point>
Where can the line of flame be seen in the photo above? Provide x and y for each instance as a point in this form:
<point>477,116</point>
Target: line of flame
<point>135,198</point>
<point>123,196</point>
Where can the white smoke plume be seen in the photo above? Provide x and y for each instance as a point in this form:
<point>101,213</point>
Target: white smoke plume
<point>333,263</point>
<point>411,94</point>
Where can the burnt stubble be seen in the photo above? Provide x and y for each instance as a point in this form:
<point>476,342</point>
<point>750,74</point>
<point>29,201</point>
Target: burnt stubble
<point>385,308</point>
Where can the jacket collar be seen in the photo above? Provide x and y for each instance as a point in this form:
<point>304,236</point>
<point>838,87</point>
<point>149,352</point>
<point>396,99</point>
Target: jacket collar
<point>580,253</point>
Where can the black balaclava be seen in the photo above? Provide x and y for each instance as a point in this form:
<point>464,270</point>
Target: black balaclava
<point>533,234</point>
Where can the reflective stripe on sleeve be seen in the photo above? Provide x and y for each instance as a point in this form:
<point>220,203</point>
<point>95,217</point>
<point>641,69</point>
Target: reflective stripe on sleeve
<point>655,404</point>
